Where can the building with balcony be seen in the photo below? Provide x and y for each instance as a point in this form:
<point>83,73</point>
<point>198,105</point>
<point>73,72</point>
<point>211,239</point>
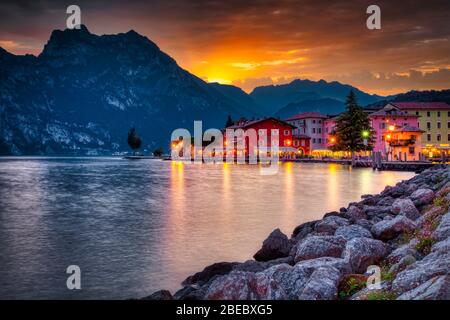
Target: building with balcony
<point>434,120</point>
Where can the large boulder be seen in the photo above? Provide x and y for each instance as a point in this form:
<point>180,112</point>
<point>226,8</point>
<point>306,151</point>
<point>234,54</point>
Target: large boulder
<point>363,252</point>
<point>421,197</point>
<point>437,288</point>
<point>277,245</point>
<point>322,285</point>
<point>209,272</point>
<point>319,246</point>
<point>442,232</point>
<point>329,224</point>
<point>403,251</point>
<point>245,286</point>
<point>301,231</point>
<point>353,231</point>
<point>354,213</point>
<point>310,279</point>
<point>389,229</point>
<point>258,266</point>
<point>406,208</point>
<point>433,265</point>
<point>366,224</point>
<point>373,212</point>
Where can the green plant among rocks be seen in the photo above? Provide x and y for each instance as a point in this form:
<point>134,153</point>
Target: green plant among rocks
<point>386,275</point>
<point>381,295</point>
<point>351,284</point>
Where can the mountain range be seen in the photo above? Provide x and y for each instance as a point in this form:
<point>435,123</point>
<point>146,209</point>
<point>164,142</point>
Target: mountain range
<point>82,94</point>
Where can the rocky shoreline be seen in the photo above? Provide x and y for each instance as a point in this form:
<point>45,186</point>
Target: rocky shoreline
<point>405,230</point>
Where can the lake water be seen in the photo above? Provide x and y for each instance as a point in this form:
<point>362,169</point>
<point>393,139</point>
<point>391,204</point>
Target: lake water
<point>134,227</point>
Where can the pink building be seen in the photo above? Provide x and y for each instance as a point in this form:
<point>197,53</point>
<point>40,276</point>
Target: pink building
<point>329,126</point>
<point>390,119</point>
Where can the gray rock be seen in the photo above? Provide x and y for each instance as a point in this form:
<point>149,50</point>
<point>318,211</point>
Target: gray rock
<point>376,211</point>
<point>322,285</point>
<point>319,246</point>
<point>389,229</point>
<point>209,272</point>
<point>403,251</point>
<point>434,264</point>
<point>362,294</point>
<point>277,245</point>
<point>363,252</point>
<point>354,213</point>
<point>258,266</point>
<point>386,201</point>
<point>437,288</point>
<point>442,247</point>
<point>366,224</point>
<point>191,292</point>
<point>310,279</point>
<point>353,231</point>
<point>330,224</point>
<point>406,208</point>
<point>303,230</point>
<point>240,285</point>
<point>421,197</point>
<point>159,295</point>
<point>443,230</point>
<point>402,264</point>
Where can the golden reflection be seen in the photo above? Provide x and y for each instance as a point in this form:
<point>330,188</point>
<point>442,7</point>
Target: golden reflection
<point>177,187</point>
<point>226,188</point>
<point>288,214</point>
<point>333,186</point>
<point>366,177</point>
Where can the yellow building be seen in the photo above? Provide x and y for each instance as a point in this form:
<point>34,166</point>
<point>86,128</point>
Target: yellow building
<point>434,120</point>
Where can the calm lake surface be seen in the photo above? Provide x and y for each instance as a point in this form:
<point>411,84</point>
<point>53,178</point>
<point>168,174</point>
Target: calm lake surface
<point>134,227</point>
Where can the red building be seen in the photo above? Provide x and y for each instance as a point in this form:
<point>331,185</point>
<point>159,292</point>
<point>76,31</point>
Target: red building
<point>289,144</point>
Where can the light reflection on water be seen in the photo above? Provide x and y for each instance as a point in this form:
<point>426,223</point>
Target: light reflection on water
<point>134,227</point>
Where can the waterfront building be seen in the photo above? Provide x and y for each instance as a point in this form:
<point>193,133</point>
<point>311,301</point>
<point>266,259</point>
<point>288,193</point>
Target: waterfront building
<point>434,120</point>
<point>310,124</point>
<point>388,120</point>
<point>291,143</point>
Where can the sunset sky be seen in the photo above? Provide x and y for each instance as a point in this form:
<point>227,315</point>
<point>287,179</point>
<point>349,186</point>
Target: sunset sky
<point>253,43</point>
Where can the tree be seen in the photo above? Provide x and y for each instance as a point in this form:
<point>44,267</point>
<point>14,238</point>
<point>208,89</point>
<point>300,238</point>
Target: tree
<point>158,152</point>
<point>134,141</point>
<point>229,122</point>
<point>353,130</point>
